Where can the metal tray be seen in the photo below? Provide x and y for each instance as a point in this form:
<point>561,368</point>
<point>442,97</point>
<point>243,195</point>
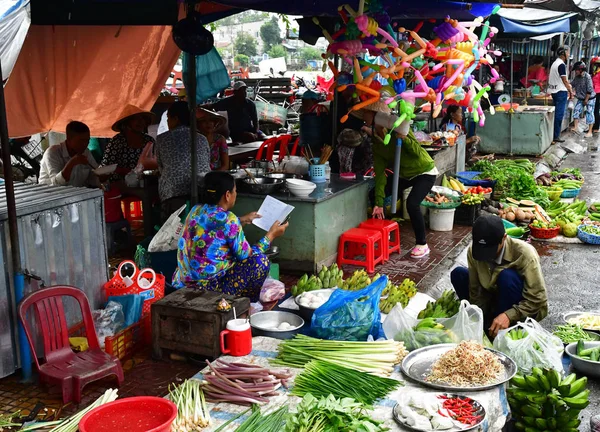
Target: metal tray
<point>480,411</point>
<point>568,315</point>
<point>417,366</point>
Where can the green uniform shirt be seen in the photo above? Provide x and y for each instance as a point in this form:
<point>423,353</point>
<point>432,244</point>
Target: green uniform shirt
<point>522,258</point>
<point>414,161</point>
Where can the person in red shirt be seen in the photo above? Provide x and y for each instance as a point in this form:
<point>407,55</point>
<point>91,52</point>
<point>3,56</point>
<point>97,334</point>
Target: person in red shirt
<point>596,83</point>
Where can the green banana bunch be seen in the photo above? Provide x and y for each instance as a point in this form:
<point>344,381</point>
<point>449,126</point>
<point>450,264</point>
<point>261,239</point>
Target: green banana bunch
<point>332,276</point>
<point>445,307</point>
<point>397,294</point>
<point>544,401</point>
<point>306,284</point>
<point>357,281</point>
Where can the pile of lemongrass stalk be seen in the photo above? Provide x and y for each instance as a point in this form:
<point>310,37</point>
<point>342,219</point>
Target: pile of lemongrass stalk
<point>377,357</point>
<point>192,412</point>
<point>71,424</point>
<point>242,384</point>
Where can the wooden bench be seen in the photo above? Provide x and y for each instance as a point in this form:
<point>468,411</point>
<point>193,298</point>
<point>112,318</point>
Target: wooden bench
<point>275,90</point>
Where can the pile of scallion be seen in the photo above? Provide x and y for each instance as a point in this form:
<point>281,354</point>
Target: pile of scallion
<point>372,357</point>
<point>71,424</point>
<point>192,412</point>
<point>258,422</point>
<point>323,378</point>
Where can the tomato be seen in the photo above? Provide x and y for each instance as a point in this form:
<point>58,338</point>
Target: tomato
<point>479,189</point>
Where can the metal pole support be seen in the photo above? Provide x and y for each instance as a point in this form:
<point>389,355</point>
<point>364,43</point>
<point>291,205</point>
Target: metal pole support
<point>396,175</point>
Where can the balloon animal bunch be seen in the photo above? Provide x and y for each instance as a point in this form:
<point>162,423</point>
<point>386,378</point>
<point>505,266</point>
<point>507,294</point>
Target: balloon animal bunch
<point>439,70</point>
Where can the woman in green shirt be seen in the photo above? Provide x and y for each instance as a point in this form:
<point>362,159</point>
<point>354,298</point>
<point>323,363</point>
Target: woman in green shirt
<point>417,170</point>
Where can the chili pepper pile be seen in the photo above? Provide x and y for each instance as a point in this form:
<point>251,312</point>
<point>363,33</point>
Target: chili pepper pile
<point>461,409</point>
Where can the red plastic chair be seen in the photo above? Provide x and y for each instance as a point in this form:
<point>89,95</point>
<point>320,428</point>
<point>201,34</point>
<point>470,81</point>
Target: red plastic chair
<point>59,364</point>
<point>284,142</point>
<point>295,147</point>
<point>267,144</point>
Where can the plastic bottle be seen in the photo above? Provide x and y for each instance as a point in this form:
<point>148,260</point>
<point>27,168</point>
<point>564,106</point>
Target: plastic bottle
<point>327,171</point>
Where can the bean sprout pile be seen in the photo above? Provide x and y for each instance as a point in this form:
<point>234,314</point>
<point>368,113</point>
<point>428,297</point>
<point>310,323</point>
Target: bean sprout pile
<point>469,364</point>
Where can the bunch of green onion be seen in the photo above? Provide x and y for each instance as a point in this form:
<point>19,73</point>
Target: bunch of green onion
<point>6,421</point>
<point>322,379</point>
<point>257,422</point>
<point>71,424</point>
<point>192,412</point>
<point>372,357</point>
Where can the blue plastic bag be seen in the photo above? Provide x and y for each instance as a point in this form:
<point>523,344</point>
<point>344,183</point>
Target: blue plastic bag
<point>211,75</point>
<point>350,315</point>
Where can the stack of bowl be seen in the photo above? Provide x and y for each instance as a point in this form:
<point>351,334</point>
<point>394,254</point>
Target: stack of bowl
<point>300,188</point>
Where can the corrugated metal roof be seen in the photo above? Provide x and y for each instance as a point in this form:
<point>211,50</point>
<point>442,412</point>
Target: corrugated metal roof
<point>31,198</point>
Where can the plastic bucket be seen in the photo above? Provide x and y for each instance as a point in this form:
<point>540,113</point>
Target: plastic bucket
<point>441,219</point>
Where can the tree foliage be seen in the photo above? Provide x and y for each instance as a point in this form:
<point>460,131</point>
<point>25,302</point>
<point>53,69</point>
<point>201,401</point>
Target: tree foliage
<point>245,44</point>
<point>270,34</point>
<point>242,59</point>
<point>309,53</point>
<point>277,51</point>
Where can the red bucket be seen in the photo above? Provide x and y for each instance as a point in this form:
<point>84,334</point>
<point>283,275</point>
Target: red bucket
<point>135,414</point>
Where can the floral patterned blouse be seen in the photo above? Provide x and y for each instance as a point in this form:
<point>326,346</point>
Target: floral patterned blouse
<point>211,242</point>
<point>216,148</point>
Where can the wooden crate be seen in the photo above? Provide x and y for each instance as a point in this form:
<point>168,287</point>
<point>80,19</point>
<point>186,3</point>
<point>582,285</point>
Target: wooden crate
<point>187,321</point>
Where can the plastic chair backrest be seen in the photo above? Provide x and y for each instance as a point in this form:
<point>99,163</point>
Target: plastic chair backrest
<point>284,142</point>
<point>271,142</point>
<point>50,315</point>
<point>295,147</point>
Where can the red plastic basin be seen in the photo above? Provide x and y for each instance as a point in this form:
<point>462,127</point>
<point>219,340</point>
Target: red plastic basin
<point>136,414</point>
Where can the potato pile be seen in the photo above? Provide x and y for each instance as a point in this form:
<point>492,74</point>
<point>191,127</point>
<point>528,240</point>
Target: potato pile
<point>514,213</point>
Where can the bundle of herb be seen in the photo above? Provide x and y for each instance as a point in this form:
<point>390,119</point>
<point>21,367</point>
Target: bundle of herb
<point>325,414</point>
<point>264,423</point>
<point>321,378</point>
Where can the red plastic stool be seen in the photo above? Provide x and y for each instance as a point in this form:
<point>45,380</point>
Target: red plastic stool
<point>129,214</point>
<point>390,234</point>
<point>368,240</point>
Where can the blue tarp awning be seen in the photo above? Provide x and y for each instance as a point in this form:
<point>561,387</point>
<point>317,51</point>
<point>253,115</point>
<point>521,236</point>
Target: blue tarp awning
<point>526,29</point>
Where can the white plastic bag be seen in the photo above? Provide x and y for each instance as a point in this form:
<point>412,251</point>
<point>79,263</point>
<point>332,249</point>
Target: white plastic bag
<point>537,348</point>
<point>467,324</point>
<point>272,290</point>
<point>108,321</point>
<point>167,237</point>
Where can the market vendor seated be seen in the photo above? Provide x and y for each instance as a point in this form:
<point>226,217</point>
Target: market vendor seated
<point>213,253</point>
<point>70,162</point>
<point>504,277</point>
<point>131,145</point>
<point>241,115</point>
<point>453,122</point>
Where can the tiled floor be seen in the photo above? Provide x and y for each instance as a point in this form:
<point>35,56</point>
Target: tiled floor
<point>401,266</point>
<point>144,376</point>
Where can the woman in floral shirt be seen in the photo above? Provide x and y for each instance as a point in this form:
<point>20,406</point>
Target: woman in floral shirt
<point>213,253</point>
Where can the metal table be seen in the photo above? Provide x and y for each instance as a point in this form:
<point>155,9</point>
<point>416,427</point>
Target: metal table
<point>243,152</point>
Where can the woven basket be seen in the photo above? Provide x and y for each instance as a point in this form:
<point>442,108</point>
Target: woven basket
<point>587,237</point>
<point>570,193</point>
<point>544,233</point>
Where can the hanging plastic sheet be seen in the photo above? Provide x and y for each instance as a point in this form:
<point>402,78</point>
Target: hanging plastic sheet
<point>14,23</point>
<point>211,75</point>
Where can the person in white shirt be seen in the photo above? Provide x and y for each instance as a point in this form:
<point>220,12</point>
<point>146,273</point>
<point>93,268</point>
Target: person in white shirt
<point>560,89</point>
<point>70,163</point>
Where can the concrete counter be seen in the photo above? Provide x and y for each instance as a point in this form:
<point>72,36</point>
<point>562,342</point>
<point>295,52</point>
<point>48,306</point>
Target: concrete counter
<point>316,223</point>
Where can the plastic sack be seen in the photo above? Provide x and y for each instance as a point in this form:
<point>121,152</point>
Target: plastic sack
<point>350,315</point>
<point>467,324</point>
<point>167,237</point>
<point>272,290</point>
<point>211,75</point>
<point>538,347</point>
<point>108,321</point>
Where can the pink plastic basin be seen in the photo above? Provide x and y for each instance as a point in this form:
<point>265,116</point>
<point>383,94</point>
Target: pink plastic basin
<point>136,414</point>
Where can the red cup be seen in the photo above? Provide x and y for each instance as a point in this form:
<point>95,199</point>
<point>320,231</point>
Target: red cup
<point>239,338</point>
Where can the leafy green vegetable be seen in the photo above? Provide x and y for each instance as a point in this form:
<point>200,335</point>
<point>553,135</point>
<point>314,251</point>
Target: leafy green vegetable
<point>321,378</point>
<point>331,414</point>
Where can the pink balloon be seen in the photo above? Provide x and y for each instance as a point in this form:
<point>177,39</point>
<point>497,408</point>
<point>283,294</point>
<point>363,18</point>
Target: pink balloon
<point>453,78</point>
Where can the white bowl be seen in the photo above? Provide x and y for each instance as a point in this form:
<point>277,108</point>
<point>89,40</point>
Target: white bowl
<point>297,183</point>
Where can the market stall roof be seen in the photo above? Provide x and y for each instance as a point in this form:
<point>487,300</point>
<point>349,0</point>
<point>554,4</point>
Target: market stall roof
<point>329,8</point>
<point>88,74</point>
<point>579,6</point>
<point>529,22</point>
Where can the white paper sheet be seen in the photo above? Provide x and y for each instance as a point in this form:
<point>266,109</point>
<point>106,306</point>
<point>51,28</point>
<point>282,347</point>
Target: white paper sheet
<point>272,210</point>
